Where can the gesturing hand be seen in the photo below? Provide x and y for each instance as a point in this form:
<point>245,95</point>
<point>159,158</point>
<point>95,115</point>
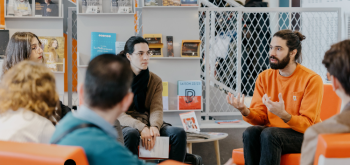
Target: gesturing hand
<point>277,108</point>
<point>238,103</point>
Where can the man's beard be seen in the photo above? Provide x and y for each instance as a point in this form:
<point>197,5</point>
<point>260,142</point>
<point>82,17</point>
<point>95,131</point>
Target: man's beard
<point>280,64</point>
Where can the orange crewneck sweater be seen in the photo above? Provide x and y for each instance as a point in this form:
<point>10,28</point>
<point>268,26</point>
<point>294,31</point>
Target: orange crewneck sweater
<point>302,93</point>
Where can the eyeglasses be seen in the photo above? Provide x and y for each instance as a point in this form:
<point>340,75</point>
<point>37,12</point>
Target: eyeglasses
<point>148,53</point>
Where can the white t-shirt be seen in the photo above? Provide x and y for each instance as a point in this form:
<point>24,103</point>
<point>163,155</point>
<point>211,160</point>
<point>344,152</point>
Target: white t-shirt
<point>25,126</point>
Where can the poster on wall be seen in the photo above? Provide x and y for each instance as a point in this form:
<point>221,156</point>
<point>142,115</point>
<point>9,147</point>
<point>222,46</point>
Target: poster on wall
<point>18,8</point>
<point>47,8</point>
<point>53,54</point>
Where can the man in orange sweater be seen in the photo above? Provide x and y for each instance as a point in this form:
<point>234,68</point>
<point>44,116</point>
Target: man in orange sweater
<point>286,101</point>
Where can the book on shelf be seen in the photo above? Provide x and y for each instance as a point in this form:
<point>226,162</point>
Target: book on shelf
<point>92,6</point>
<point>189,3</point>
<point>125,6</point>
<point>170,47</point>
<point>165,95</point>
<point>171,2</point>
<point>190,122</point>
<point>155,44</point>
<point>47,8</point>
<point>4,40</point>
<point>114,6</point>
<point>153,2</point>
<point>53,52</point>
<point>119,46</point>
<point>19,8</point>
<point>102,43</point>
<point>189,95</point>
<point>190,48</point>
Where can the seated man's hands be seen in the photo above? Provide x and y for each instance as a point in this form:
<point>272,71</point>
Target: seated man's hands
<point>238,103</point>
<point>148,141</point>
<point>277,108</point>
<point>48,10</point>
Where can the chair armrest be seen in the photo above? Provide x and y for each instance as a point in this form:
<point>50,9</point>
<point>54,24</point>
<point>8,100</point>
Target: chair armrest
<point>333,146</point>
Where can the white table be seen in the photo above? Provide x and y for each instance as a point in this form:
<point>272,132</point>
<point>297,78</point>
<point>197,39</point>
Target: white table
<point>214,136</point>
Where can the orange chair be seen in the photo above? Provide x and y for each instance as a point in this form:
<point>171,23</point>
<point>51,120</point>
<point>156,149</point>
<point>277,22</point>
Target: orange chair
<point>332,149</point>
<point>14,153</point>
<point>331,104</point>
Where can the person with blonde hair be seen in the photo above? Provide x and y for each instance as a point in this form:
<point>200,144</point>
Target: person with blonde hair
<point>28,103</point>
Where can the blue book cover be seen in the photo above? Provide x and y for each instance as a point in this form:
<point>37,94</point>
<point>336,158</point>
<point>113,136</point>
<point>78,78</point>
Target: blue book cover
<point>102,43</point>
<point>189,88</point>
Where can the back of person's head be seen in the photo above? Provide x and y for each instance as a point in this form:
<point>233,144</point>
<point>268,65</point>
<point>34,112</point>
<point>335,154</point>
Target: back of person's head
<point>31,86</point>
<point>107,81</point>
<point>130,43</point>
<point>337,62</point>
<point>18,49</point>
<point>293,39</point>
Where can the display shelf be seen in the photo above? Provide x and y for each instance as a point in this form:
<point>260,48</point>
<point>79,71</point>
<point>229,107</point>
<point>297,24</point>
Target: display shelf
<point>175,58</point>
<point>159,7</point>
<point>31,17</point>
<point>103,14</point>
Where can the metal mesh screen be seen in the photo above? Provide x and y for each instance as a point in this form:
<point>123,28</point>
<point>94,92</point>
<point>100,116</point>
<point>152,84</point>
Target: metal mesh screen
<point>239,48</point>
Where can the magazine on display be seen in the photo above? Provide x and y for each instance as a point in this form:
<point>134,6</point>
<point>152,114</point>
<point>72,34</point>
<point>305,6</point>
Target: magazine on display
<point>53,52</point>
<point>92,6</point>
<point>102,43</point>
<point>47,8</point>
<point>19,8</point>
<point>153,2</point>
<point>119,46</point>
<point>169,40</point>
<point>4,39</point>
<point>189,94</point>
<point>189,3</point>
<point>171,2</point>
<point>190,48</point>
<point>125,6</point>
<point>190,122</point>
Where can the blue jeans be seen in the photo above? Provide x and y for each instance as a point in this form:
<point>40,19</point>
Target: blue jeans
<point>265,145</point>
<point>177,140</point>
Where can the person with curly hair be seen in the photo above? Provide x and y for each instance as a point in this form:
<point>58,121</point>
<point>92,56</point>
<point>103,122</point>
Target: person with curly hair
<point>28,103</point>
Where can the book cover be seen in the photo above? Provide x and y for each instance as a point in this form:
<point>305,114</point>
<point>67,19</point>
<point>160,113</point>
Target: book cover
<point>170,49</point>
<point>165,95</point>
<point>153,3</point>
<point>53,52</point>
<point>102,43</point>
<point>190,122</point>
<point>19,8</point>
<point>94,6</point>
<point>47,8</point>
<point>4,40</point>
<point>171,2</point>
<point>189,2</point>
<point>190,49</point>
<point>125,6</point>
<point>114,6</point>
<point>189,94</point>
<point>119,46</point>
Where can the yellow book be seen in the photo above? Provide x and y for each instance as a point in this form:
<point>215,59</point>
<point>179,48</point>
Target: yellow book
<point>165,95</point>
